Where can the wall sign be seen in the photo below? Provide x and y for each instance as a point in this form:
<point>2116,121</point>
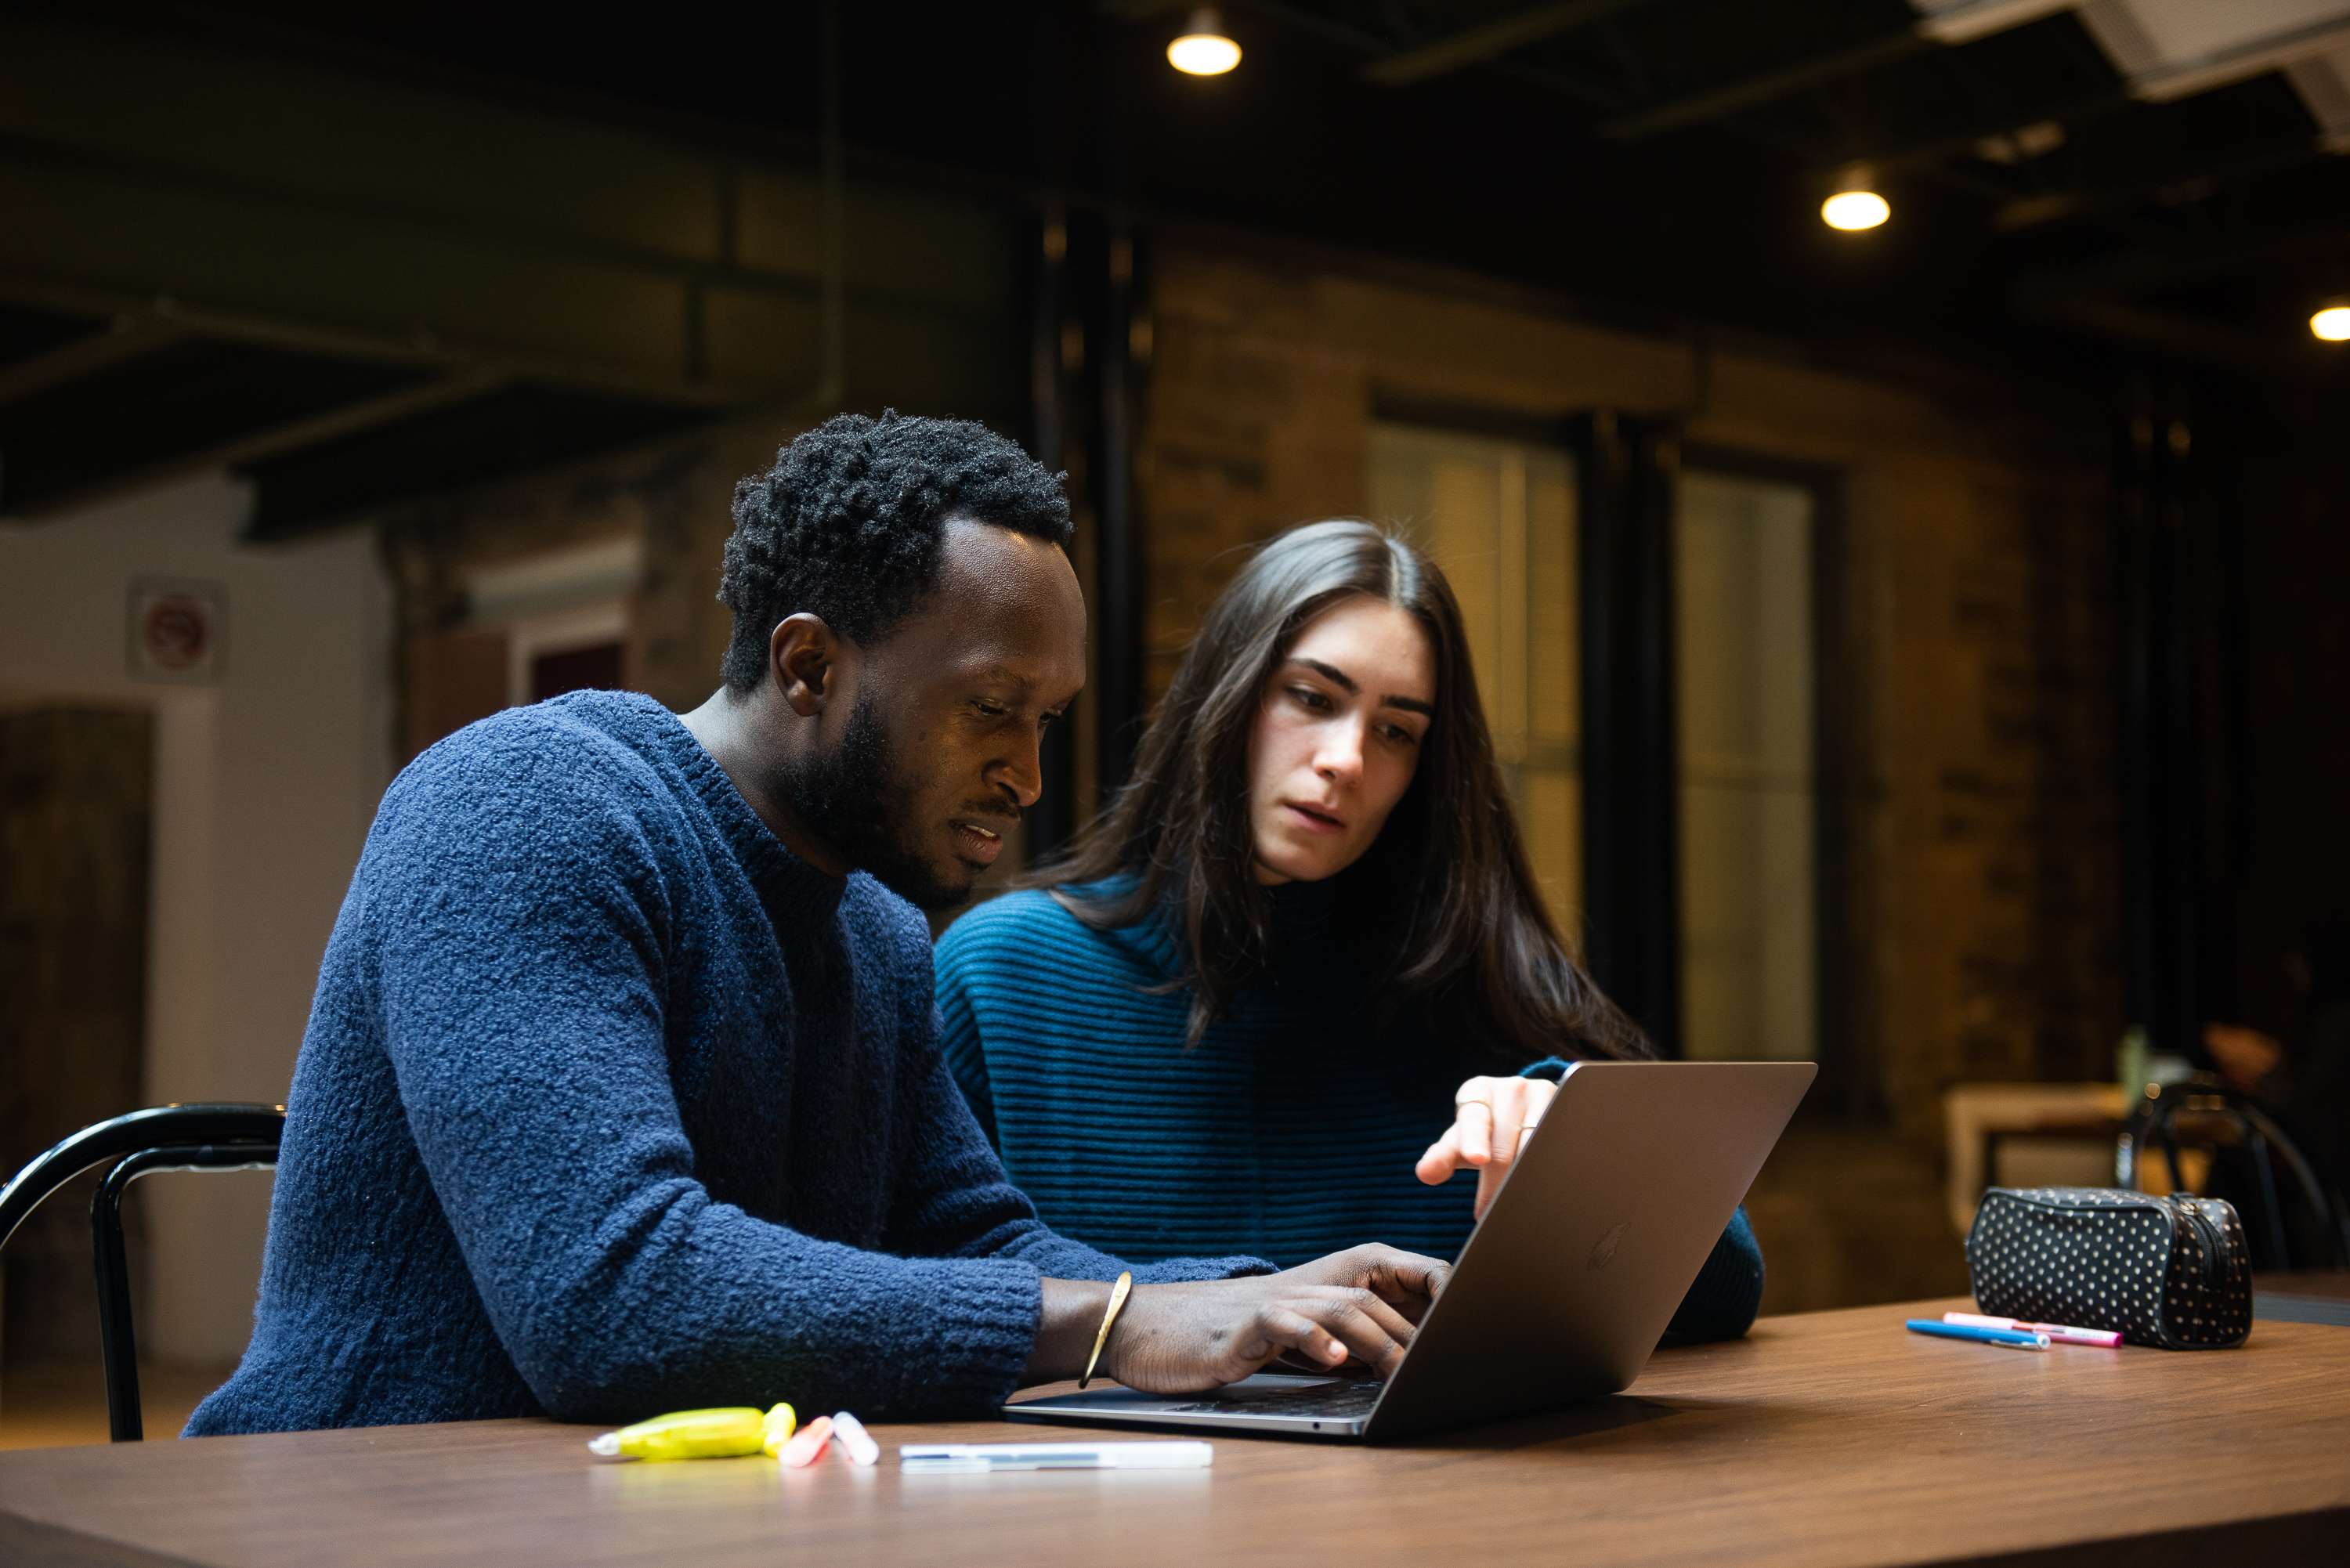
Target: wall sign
<point>176,630</point>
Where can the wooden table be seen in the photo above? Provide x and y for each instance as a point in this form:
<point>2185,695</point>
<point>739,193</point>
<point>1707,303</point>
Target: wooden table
<point>1826,1438</point>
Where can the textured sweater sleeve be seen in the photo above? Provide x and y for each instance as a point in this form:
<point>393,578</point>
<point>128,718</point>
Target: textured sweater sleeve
<point>1728,1292</point>
<point>519,956</point>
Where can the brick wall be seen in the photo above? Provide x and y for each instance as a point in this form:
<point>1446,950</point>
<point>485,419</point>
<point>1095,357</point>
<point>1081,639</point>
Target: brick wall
<point>676,500</point>
<point>1972,637</point>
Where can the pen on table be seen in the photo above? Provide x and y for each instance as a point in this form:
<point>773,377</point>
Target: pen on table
<point>2013,1338</point>
<point>972,1458</point>
<point>2057,1333</point>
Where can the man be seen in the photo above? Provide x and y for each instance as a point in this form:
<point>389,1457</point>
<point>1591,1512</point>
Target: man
<point>621,1091</point>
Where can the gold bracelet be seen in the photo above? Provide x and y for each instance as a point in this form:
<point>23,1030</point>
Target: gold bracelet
<point>1117,1299</point>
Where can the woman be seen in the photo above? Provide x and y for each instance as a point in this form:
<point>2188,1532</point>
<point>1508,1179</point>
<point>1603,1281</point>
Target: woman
<point>1260,1006</point>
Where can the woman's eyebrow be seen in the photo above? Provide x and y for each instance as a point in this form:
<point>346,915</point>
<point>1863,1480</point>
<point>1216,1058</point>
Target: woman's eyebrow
<point>1339,678</point>
<point>1328,671</point>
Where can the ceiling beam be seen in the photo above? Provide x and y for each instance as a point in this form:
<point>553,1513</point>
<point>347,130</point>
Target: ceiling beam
<point>1964,21</point>
<point>501,435</point>
<point>2161,267</point>
<point>176,320</point>
<point>1766,86</point>
<point>2183,335</point>
<point>130,336</point>
<point>2097,298</point>
<point>2179,188</point>
<point>2072,113</point>
<point>1471,45</point>
<point>337,423</point>
<point>257,446</point>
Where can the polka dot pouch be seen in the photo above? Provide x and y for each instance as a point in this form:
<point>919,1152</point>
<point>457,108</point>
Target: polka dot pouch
<point>2170,1271</point>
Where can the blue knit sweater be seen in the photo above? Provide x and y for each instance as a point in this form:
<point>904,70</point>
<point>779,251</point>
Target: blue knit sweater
<point>1286,1132</point>
<point>610,1106</point>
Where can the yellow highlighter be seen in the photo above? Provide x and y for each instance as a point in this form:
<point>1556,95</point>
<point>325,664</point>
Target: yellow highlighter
<point>715,1434</point>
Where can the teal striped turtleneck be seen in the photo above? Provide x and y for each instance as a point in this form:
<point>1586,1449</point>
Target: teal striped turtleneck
<point>1285,1133</point>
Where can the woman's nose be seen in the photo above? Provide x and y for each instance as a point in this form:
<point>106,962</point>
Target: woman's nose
<point>1340,756</point>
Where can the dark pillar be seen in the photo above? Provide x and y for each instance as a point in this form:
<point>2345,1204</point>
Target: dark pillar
<point>1631,882</point>
<point>2184,744</point>
<point>1117,585</point>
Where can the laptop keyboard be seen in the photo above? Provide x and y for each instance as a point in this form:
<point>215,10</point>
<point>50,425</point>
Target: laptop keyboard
<point>1330,1398</point>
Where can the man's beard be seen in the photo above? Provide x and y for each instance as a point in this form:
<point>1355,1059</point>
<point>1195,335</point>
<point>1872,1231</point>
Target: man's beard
<point>856,801</point>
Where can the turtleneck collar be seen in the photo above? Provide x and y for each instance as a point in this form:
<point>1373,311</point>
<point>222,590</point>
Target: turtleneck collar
<point>1301,906</point>
<point>1308,946</point>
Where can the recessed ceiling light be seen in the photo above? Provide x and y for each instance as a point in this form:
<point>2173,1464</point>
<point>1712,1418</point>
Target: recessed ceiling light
<point>1203,50</point>
<point>2332,324</point>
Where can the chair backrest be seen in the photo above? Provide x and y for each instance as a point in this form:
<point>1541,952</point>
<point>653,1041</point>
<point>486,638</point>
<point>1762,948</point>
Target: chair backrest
<point>2153,1126</point>
<point>236,1137</point>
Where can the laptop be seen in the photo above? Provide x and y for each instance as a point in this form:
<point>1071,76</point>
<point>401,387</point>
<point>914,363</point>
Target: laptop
<point>1612,1209</point>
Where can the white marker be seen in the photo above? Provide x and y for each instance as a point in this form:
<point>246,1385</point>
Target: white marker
<point>972,1458</point>
<point>2057,1333</point>
<point>850,1434</point>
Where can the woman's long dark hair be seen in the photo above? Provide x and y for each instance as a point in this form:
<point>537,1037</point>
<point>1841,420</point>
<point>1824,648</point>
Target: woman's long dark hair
<point>1456,924</point>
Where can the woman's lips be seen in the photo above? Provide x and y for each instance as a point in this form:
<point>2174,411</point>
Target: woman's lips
<point>979,844</point>
<point>1312,820</point>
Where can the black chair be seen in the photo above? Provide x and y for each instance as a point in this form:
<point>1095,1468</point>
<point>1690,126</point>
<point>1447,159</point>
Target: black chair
<point>168,1137</point>
<point>2154,1128</point>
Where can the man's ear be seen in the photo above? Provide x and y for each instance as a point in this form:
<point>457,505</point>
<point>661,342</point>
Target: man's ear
<point>804,661</point>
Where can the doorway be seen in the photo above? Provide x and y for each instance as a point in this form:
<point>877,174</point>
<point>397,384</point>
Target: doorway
<point>75,823</point>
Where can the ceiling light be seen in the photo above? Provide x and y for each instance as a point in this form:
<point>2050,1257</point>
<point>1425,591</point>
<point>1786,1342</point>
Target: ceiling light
<point>1855,204</point>
<point>1854,210</point>
<point>1203,50</point>
<point>2333,323</point>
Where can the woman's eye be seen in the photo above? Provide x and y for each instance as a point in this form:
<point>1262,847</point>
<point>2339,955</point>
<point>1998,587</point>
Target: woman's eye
<point>1310,698</point>
<point>992,710</point>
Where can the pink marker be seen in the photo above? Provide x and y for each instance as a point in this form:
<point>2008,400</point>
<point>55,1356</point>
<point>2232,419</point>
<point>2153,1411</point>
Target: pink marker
<point>807,1444</point>
<point>2106,1339</point>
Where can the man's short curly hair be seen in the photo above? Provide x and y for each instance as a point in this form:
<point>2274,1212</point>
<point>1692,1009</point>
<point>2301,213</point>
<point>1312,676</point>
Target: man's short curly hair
<point>847,524</point>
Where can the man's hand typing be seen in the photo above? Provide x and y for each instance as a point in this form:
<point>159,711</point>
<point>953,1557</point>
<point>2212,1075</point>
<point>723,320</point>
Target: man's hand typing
<point>1187,1337</point>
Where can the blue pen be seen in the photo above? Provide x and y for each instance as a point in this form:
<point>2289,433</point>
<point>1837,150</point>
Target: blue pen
<point>2012,1338</point>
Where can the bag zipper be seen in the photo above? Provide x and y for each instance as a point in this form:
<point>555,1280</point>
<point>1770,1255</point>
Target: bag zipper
<point>2213,1241</point>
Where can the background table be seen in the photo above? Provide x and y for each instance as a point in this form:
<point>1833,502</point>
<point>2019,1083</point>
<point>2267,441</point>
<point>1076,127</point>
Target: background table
<point>1973,1114</point>
<point>1826,1438</point>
